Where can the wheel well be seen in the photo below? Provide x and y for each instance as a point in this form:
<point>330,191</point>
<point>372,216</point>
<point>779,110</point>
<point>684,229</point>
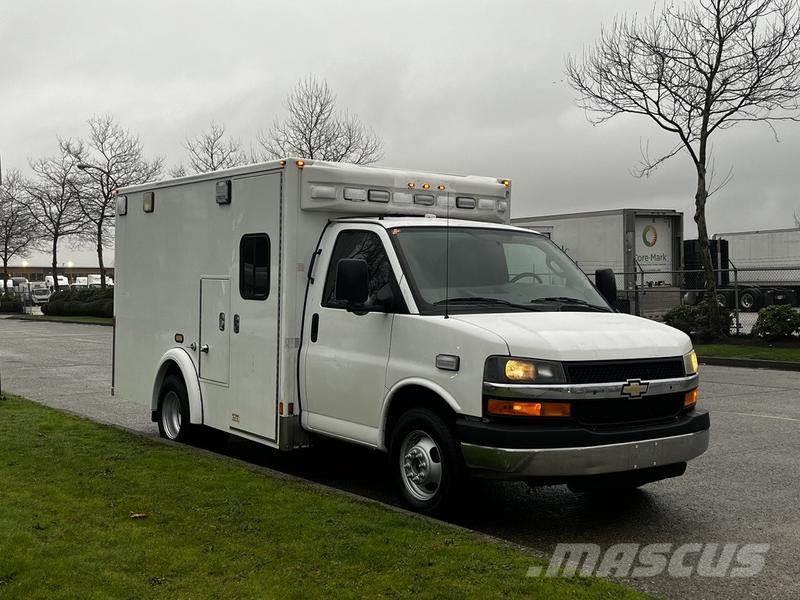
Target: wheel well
<point>415,396</point>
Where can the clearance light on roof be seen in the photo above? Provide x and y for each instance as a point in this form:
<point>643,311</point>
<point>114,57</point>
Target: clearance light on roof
<point>283,163</point>
<point>506,182</point>
<point>411,185</point>
<point>441,188</point>
<point>426,186</point>
<point>300,164</point>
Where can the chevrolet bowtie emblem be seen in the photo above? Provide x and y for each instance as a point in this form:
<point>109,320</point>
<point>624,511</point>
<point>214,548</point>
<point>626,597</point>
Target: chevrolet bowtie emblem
<point>635,388</point>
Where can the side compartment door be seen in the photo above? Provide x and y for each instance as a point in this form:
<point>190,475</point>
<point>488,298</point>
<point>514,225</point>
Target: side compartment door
<point>215,300</point>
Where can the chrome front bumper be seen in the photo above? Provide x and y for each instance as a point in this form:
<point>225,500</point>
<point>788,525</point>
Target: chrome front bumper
<point>589,460</point>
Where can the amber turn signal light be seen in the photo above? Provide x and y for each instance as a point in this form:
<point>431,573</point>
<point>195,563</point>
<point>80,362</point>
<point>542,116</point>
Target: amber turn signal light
<point>690,398</point>
<point>529,409</point>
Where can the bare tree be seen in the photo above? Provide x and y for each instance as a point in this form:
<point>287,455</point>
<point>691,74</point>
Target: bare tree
<point>315,129</point>
<point>53,200</point>
<point>110,158</point>
<point>212,150</point>
<point>693,70</point>
<point>796,220</point>
<point>17,228</point>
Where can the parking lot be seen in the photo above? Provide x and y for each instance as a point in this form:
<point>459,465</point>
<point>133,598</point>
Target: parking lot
<point>745,489</point>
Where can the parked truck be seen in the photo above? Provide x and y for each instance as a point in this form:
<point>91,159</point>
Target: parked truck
<point>753,268</point>
<point>398,310</point>
<point>644,247</point>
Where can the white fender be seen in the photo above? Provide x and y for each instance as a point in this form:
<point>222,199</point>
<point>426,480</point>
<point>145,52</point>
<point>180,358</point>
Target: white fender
<point>418,381</point>
<point>181,358</point>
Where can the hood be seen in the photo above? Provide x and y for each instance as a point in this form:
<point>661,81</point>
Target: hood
<point>582,335</point>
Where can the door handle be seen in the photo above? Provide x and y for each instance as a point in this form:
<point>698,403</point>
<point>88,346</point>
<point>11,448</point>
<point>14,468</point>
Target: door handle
<point>314,327</point>
<point>204,348</point>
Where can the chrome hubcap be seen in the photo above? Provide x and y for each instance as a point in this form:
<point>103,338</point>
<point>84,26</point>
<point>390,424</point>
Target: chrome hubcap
<point>171,415</point>
<point>421,465</point>
<point>747,301</point>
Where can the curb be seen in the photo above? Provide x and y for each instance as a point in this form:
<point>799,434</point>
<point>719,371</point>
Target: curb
<point>34,320</point>
<point>750,363</point>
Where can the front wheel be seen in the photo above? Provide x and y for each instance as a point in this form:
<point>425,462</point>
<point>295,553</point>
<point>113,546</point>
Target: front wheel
<point>426,461</point>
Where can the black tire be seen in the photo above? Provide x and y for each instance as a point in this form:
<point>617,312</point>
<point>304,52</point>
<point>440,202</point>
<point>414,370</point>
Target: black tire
<point>427,495</point>
<point>750,300</point>
<point>173,390</point>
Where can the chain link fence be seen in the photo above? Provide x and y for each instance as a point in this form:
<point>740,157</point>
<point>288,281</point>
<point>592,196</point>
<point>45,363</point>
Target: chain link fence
<point>744,291</point>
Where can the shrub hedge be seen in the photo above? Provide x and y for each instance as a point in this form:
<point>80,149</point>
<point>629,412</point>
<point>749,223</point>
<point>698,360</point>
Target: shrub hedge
<point>776,322</point>
<point>695,321</point>
<point>81,303</point>
<point>10,303</point>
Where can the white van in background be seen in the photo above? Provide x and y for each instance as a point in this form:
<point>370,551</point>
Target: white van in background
<point>398,310</point>
<point>63,282</point>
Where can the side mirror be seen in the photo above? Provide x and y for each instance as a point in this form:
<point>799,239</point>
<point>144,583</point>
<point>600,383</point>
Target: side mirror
<point>352,281</point>
<point>606,283</point>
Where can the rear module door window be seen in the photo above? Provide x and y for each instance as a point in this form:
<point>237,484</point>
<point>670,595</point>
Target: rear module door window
<point>254,266</point>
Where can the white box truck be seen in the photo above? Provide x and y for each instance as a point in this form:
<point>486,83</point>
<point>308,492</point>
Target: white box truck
<point>397,310</point>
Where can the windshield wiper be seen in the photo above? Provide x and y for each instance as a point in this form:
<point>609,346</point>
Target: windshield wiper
<point>569,300</point>
<point>486,300</point>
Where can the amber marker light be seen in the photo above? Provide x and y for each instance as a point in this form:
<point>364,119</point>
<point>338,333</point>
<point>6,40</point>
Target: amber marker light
<point>690,398</point>
<point>300,164</point>
<point>513,408</point>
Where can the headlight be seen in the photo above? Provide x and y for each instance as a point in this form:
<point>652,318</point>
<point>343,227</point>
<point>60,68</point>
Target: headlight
<point>690,363</point>
<point>504,369</point>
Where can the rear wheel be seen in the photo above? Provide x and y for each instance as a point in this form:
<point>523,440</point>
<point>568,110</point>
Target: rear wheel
<point>748,300</point>
<point>426,460</point>
<point>173,410</point>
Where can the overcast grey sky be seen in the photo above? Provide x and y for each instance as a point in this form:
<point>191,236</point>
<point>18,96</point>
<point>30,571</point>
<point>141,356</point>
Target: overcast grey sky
<point>457,86</point>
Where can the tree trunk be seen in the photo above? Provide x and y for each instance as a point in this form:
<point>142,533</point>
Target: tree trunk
<point>55,263</point>
<point>700,198</point>
<point>100,257</point>
<point>5,275</point>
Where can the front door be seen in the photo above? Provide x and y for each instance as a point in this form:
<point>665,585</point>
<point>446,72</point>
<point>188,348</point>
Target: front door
<point>345,354</point>
<point>215,301</point>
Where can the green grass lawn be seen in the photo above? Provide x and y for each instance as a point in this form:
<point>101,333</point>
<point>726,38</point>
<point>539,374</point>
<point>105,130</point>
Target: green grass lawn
<point>214,528</point>
<point>58,319</point>
<point>760,351</point>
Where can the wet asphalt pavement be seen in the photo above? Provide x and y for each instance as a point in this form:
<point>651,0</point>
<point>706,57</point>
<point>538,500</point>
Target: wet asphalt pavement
<point>745,489</point>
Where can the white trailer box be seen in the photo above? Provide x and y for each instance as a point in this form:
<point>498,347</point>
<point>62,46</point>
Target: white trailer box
<point>393,309</point>
<point>626,240</point>
<point>765,249</point>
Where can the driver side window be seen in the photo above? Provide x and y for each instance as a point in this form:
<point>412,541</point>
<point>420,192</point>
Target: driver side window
<point>364,245</point>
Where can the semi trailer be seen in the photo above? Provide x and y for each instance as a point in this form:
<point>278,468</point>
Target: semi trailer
<point>398,310</point>
<point>753,268</point>
<point>644,247</point>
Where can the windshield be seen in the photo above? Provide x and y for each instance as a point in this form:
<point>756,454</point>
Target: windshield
<point>491,270</point>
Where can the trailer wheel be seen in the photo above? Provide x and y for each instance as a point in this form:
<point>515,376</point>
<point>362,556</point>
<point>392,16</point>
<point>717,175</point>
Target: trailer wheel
<point>748,299</point>
<point>427,461</point>
<point>173,410</point>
